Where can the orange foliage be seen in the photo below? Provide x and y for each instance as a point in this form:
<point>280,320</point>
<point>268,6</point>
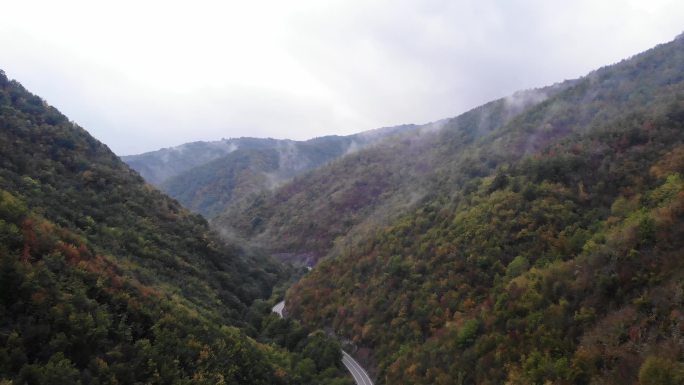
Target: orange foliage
<point>29,240</point>
<point>70,252</point>
<point>673,161</point>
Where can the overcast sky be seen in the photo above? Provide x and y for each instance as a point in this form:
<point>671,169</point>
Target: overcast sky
<point>141,75</point>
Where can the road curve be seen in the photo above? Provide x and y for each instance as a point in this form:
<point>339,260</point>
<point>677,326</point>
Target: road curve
<point>359,374</point>
<point>356,370</point>
<point>278,308</point>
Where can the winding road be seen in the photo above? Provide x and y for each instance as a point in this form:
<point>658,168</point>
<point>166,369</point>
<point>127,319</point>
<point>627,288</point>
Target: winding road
<point>359,374</point>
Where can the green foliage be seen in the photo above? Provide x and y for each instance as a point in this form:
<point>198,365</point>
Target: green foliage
<point>323,351</point>
<point>661,371</point>
<point>70,316</point>
<point>316,358</point>
<point>75,182</point>
<point>467,333</point>
<point>517,266</point>
<point>105,280</point>
<point>209,188</point>
<point>335,206</point>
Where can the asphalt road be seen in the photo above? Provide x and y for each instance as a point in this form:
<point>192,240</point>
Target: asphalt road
<point>279,307</point>
<point>356,370</point>
<point>359,374</point>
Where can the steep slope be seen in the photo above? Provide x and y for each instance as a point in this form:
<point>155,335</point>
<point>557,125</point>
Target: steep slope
<point>103,279</point>
<point>538,251</point>
<point>207,177</point>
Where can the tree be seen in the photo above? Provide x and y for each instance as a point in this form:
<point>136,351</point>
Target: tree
<point>660,371</point>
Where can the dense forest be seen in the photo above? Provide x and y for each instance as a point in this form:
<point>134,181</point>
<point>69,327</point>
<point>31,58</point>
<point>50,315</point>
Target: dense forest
<point>209,177</point>
<point>105,280</point>
<point>365,189</point>
<point>535,239</point>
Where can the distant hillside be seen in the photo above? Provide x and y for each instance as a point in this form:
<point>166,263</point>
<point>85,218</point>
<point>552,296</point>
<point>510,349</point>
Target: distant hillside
<point>533,246</point>
<point>207,177</point>
<point>158,166</point>
<point>104,279</point>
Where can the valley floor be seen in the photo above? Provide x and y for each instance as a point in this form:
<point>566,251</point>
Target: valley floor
<point>355,369</point>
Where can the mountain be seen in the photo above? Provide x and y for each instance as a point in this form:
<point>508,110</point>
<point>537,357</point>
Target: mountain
<point>534,245</point>
<point>304,219</point>
<point>207,177</point>
<point>158,166</point>
<point>104,279</point>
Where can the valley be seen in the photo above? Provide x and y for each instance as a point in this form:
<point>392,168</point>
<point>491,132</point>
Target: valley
<point>487,250</point>
<point>535,239</point>
<point>105,280</point>
<point>356,370</point>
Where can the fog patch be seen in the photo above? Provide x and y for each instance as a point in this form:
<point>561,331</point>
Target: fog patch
<point>225,145</point>
<point>352,148</point>
<point>289,159</point>
<point>521,100</point>
<point>433,127</point>
<point>274,180</point>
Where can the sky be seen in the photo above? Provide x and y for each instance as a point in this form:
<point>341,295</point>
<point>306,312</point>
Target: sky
<point>146,74</point>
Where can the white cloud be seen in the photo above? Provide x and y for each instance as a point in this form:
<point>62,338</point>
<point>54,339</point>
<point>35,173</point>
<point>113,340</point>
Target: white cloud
<point>145,74</point>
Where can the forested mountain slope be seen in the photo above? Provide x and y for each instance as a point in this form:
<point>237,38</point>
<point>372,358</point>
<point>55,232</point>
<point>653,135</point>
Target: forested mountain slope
<point>210,188</point>
<point>545,249</point>
<point>356,193</point>
<point>360,191</point>
<point>207,177</point>
<point>103,279</point>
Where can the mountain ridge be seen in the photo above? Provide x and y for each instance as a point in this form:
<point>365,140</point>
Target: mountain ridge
<point>399,165</point>
<point>104,279</point>
<point>209,176</point>
<point>529,250</point>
